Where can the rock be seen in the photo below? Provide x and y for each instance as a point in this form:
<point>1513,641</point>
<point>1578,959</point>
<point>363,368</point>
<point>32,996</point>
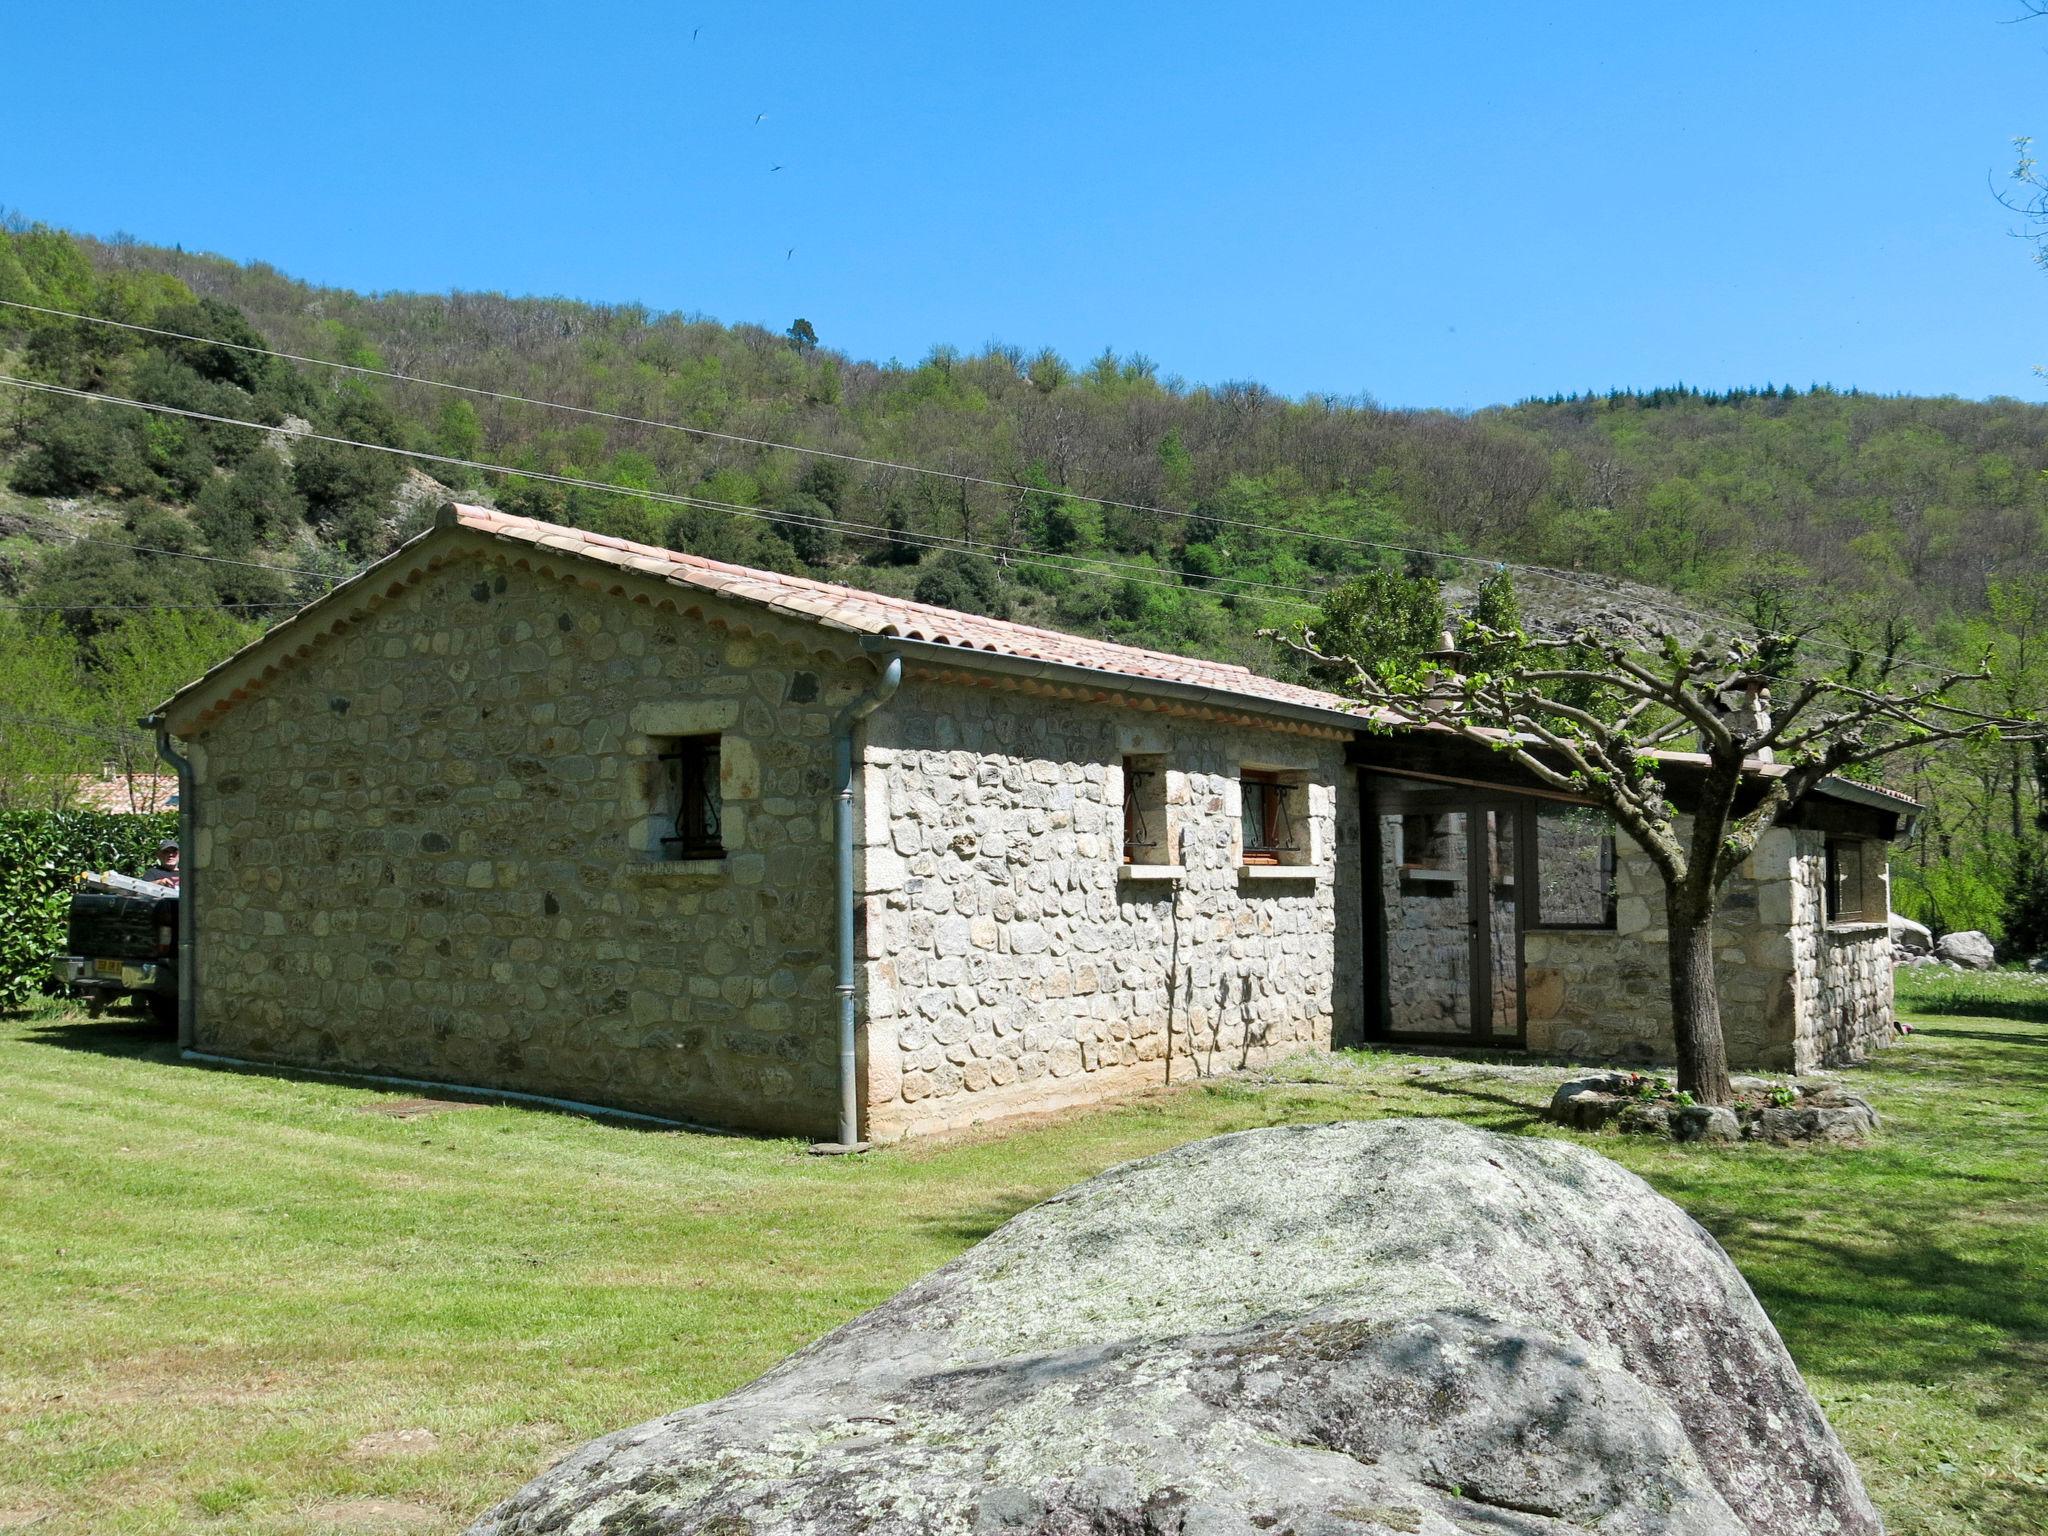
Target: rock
<point>1832,1117</point>
<point>1408,1325</point>
<point>1705,1122</point>
<point>1914,938</point>
<point>1969,949</point>
<point>1588,1102</point>
<point>1646,1117</point>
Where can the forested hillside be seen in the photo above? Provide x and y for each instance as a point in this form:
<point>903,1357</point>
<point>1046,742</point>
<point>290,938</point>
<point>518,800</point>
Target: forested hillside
<point>1889,522</point>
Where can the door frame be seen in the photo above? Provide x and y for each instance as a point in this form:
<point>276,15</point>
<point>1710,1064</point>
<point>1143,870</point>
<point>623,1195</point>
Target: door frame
<point>1383,792</point>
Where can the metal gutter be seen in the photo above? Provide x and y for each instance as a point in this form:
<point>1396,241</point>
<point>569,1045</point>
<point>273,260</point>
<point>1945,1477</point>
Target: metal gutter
<point>188,881</point>
<point>843,728</point>
<point>1073,674</point>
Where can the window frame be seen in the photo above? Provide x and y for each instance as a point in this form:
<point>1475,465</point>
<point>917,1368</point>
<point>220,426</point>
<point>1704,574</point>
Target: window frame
<point>1266,850</point>
<point>1285,837</point>
<point>690,803</point>
<point>1869,880</point>
<point>1437,835</point>
<point>1532,860</point>
<point>1145,767</point>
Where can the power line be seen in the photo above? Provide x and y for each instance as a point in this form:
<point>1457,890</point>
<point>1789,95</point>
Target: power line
<point>851,528</point>
<point>186,554</point>
<point>65,727</point>
<point>847,528</point>
<point>1070,564</point>
<point>1591,583</point>
<point>224,606</point>
<point>958,477</point>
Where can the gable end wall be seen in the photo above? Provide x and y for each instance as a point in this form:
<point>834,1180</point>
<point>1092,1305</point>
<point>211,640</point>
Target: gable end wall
<point>415,856</point>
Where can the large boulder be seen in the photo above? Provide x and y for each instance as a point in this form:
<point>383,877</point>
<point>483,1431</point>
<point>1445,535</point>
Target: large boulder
<point>1969,949</point>
<point>1914,938</point>
<point>1402,1326</point>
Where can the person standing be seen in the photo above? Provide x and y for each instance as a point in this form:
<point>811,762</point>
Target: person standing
<point>165,870</point>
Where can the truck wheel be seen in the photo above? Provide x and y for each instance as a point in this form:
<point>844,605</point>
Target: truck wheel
<point>162,1010</point>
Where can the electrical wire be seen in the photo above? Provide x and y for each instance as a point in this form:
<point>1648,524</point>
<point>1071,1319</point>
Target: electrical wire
<point>1284,530</point>
<point>66,727</point>
<point>957,477</point>
<point>1069,564</point>
<point>224,606</point>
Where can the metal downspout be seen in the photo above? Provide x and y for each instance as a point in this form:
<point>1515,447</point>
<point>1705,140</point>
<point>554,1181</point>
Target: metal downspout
<point>188,882</point>
<point>842,831</point>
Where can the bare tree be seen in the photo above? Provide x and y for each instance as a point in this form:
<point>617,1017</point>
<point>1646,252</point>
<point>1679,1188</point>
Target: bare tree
<point>1597,718</point>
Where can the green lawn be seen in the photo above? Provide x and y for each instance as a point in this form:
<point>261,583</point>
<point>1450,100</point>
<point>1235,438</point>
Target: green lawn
<point>223,1296</point>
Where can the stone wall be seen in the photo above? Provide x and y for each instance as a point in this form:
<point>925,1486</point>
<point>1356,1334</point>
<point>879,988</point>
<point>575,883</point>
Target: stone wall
<point>1795,993</point>
<point>1844,970</point>
<point>422,851</point>
<point>1015,965</point>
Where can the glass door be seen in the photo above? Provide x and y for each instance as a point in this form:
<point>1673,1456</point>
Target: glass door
<point>1426,907</point>
<point>1497,919</point>
<point>1449,940</point>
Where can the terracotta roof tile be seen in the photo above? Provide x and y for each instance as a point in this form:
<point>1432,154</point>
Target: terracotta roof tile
<point>876,613</point>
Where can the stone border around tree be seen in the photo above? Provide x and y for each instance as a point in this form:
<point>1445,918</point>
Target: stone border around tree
<point>1781,1111</point>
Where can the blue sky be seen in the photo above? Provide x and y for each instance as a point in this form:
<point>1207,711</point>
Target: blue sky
<point>1434,204</point>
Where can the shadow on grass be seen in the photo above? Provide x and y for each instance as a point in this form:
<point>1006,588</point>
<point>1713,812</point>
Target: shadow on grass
<point>1524,1114</point>
<point>117,1034</point>
<point>1990,1036</point>
<point>2025,1001</point>
<point>971,1226</point>
<point>139,1038</point>
<point>1910,1284</point>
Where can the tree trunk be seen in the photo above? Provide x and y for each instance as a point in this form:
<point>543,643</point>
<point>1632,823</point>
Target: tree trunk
<point>1696,1003</point>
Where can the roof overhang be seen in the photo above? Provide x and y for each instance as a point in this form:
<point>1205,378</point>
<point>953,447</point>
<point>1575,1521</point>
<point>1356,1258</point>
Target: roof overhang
<point>1449,759</point>
<point>1097,682</point>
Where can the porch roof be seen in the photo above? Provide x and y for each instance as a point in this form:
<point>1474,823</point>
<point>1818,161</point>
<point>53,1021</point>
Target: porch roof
<point>1838,804</point>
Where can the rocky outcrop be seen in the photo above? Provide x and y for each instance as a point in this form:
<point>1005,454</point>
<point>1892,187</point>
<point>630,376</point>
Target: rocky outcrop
<point>1764,1110</point>
<point>1402,1326</point>
<point>1970,949</point>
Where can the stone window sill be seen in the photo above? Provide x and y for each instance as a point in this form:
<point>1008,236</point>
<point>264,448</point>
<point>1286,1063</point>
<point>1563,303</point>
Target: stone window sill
<point>675,869</point>
<point>1306,872</point>
<point>1171,873</point>
<point>1429,872</point>
<point>1853,930</point>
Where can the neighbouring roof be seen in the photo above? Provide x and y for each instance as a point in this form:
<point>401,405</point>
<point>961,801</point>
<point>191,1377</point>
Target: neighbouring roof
<point>872,616</point>
<point>141,794</point>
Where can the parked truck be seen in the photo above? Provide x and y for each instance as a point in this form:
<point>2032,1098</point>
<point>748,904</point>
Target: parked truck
<point>121,941</point>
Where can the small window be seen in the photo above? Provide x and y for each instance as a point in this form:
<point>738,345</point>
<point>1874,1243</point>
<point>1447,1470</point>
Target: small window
<point>1147,839</point>
<point>1855,881</point>
<point>690,808</point>
<point>1274,824</point>
<point>1574,868</point>
<point>1426,843</point>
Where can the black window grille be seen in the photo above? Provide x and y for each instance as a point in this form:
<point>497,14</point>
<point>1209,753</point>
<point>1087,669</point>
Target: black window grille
<point>690,797</point>
<point>1140,836</point>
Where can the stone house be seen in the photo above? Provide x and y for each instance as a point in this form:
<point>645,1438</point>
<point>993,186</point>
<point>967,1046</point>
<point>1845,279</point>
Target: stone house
<point>529,809</point>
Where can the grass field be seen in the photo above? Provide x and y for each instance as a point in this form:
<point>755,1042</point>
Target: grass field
<point>242,1303</point>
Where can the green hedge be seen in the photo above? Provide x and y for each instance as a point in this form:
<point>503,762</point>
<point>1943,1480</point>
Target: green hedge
<point>41,853</point>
